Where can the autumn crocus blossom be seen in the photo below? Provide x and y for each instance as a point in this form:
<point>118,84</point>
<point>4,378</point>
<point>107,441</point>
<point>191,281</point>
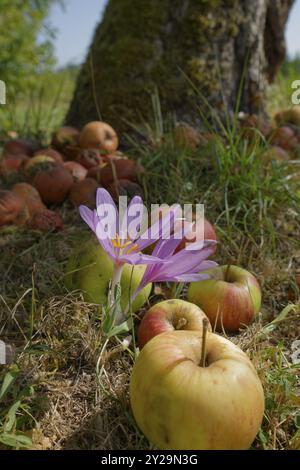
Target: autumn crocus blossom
<point>187,265</point>
<point>114,235</point>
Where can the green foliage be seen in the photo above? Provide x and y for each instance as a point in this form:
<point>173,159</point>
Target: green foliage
<point>41,108</point>
<point>13,401</point>
<point>22,54</point>
<point>280,92</point>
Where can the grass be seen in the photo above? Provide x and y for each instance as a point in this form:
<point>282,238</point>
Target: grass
<point>41,109</point>
<point>54,399</point>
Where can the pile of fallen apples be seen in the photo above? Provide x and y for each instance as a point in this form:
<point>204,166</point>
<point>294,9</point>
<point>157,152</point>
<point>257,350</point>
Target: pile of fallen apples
<point>73,167</point>
<point>283,134</point>
<point>190,387</point>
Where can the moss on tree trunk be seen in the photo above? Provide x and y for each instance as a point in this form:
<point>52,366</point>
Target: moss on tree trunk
<point>169,44</point>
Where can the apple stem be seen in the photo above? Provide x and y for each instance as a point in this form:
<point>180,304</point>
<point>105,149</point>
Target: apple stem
<point>203,350</point>
<point>227,272</point>
<point>181,322</point>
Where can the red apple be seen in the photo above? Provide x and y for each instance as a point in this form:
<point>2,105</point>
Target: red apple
<point>170,315</point>
<point>188,396</point>
<point>231,298</point>
<point>11,164</point>
<point>77,171</point>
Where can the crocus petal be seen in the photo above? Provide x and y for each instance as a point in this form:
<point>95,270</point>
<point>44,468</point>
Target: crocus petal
<point>165,248</point>
<point>88,216</point>
<point>139,258</point>
<point>159,228</point>
<point>199,244</point>
<point>190,278</point>
<point>106,205</point>
<point>103,239</point>
<point>137,204</point>
<point>186,261</point>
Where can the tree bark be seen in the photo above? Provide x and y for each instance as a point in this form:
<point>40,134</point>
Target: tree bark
<point>177,46</point>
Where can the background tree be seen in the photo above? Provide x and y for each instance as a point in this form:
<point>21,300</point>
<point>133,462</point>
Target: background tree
<point>23,52</point>
<point>169,44</point>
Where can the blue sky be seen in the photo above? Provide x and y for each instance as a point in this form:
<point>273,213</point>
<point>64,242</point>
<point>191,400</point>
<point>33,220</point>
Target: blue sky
<point>75,25</point>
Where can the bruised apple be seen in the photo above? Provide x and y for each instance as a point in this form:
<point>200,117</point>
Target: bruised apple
<point>99,135</point>
<point>77,171</point>
<point>11,164</point>
<point>19,147</point>
<point>231,298</point>
<point>36,164</point>
<point>120,169</point>
<point>124,188</point>
<point>12,209</point>
<point>64,137</point>
<point>285,137</point>
<point>170,315</point>
<point>188,397</point>
<point>84,193</point>
<point>288,116</point>
<point>90,269</point>
<point>53,184</point>
<point>30,197</point>
<point>46,221</point>
<point>88,158</point>
<point>57,157</point>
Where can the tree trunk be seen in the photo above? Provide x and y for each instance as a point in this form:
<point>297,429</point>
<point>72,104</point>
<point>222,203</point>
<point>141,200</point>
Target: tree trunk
<point>178,46</point>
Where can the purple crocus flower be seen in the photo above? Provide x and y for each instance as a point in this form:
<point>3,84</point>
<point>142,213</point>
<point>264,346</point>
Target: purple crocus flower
<point>187,265</point>
<point>113,235</point>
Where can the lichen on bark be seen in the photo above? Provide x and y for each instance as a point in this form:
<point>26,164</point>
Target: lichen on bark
<point>141,45</point>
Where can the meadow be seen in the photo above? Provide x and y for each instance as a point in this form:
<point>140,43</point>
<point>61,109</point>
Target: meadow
<point>53,395</point>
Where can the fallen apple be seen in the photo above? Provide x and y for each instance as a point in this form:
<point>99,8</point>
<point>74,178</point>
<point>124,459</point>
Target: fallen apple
<point>285,137</point>
<point>99,135</point>
<point>190,394</point>
<point>36,164</point>
<point>288,116</point>
<point>84,192</point>
<point>12,164</point>
<point>53,184</point>
<point>46,221</point>
<point>89,158</point>
<point>30,196</point>
<point>117,169</point>
<point>231,298</point>
<point>49,152</point>
<point>19,147</point>
<point>12,209</point>
<point>64,137</point>
<point>170,315</point>
<point>124,188</point>
<point>253,126</point>
<point>90,269</point>
<point>77,171</point>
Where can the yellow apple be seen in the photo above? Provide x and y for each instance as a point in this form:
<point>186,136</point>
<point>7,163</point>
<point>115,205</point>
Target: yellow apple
<point>90,269</point>
<point>180,405</point>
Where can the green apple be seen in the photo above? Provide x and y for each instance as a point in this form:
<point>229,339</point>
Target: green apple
<point>90,269</point>
<point>170,315</point>
<point>180,405</point>
<point>230,298</point>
